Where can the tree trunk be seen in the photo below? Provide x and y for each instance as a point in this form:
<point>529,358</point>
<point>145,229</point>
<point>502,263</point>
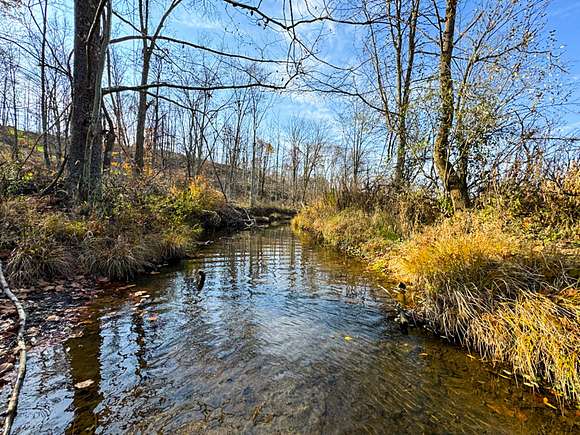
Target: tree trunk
<point>43,97</point>
<point>83,91</point>
<point>141,115</point>
<point>451,181</point>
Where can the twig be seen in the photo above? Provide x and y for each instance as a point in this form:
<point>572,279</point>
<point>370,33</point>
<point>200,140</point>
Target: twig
<point>13,403</point>
<point>48,188</point>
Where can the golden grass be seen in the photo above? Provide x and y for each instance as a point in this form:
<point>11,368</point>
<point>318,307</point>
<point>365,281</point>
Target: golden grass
<point>175,242</point>
<point>116,257</point>
<point>37,256</point>
<point>476,280</point>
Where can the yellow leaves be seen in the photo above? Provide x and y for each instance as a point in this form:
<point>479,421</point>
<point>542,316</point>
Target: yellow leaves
<point>126,167</point>
<point>347,338</point>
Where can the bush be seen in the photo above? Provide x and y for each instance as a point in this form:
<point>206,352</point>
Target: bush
<point>540,208</point>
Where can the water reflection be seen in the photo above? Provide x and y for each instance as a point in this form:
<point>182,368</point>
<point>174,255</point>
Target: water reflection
<point>284,338</point>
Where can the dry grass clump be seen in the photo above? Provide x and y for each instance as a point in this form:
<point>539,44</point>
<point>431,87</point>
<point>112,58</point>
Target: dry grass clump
<point>538,335</point>
<point>34,252</point>
<point>458,248</point>
<point>118,257</point>
<point>499,294</point>
<point>175,242</point>
<point>36,256</point>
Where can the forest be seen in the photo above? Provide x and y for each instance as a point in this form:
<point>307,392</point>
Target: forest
<point>435,143</point>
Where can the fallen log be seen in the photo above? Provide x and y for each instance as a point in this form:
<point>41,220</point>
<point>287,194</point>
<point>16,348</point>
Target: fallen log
<point>10,412</point>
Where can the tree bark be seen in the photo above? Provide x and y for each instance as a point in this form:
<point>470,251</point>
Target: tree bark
<point>451,181</point>
<point>141,114</point>
<point>83,92</point>
<point>43,97</point>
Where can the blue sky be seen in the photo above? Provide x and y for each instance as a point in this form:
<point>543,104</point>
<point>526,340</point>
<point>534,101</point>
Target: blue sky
<point>227,26</point>
<point>563,16</point>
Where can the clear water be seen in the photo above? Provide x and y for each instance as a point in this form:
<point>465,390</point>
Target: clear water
<point>284,338</point>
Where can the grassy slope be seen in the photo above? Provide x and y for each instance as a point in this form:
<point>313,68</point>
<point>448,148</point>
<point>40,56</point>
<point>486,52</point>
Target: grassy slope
<point>502,282</point>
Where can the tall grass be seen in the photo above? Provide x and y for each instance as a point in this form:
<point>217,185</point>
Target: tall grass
<point>493,279</point>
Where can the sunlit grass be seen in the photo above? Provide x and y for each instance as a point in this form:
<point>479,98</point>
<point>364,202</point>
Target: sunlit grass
<point>478,278</point>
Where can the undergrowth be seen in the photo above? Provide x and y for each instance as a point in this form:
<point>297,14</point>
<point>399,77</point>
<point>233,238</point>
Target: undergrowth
<point>130,228</point>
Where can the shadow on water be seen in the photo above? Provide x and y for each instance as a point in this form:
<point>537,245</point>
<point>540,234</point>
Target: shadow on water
<point>285,337</point>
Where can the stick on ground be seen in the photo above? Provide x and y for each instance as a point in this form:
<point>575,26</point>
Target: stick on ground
<point>13,403</point>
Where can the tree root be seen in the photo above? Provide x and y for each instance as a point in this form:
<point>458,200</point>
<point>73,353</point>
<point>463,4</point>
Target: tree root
<point>13,403</point>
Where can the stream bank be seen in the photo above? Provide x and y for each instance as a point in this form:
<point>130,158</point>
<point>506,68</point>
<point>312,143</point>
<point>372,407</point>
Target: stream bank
<point>481,279</point>
<point>57,305</point>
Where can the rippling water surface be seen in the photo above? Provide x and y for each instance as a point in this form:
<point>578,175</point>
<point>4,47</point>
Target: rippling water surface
<point>284,338</point>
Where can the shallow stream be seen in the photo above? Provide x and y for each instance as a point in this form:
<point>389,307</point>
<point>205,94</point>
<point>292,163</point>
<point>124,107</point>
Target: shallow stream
<point>285,337</point>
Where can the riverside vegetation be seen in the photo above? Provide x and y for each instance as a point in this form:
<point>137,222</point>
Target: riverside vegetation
<point>501,279</point>
<point>132,227</point>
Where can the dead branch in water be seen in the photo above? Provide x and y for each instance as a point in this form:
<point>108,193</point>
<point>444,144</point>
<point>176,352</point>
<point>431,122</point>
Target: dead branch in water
<point>13,403</point>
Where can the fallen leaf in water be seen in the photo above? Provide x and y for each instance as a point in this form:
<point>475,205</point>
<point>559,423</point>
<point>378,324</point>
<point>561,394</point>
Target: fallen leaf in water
<point>547,403</point>
<point>471,356</point>
<point>347,338</point>
<point>423,354</point>
<point>84,384</point>
<point>153,317</point>
<point>139,293</point>
<point>53,318</point>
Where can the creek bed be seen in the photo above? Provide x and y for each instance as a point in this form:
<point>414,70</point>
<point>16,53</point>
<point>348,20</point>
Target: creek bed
<point>285,337</point>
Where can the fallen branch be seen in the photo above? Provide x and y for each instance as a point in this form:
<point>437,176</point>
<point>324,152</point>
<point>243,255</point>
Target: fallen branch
<point>13,403</point>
